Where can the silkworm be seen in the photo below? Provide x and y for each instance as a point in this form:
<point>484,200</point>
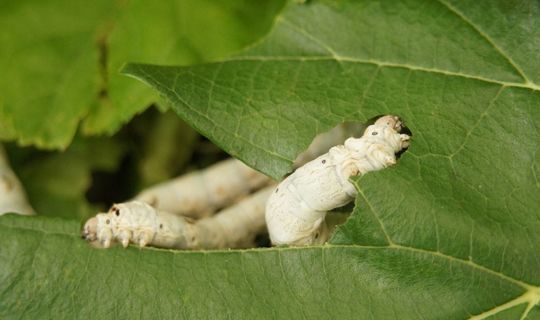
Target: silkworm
<point>296,210</point>
<point>200,193</point>
<point>139,223</point>
<point>12,196</point>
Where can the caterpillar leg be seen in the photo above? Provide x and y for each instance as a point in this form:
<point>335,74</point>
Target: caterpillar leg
<point>138,223</point>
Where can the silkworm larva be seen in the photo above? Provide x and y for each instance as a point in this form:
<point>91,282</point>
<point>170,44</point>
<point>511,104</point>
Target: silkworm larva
<point>12,196</point>
<point>296,210</point>
<point>137,222</point>
<point>201,193</point>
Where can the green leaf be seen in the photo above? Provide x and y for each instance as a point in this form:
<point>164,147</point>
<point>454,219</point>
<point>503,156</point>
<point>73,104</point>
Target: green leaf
<point>50,67</point>
<point>307,77</point>
<point>60,58</point>
<point>463,75</point>
<point>448,233</point>
<point>48,271</point>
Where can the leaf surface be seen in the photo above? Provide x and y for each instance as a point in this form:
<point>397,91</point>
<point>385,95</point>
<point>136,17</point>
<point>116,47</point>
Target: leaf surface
<point>451,232</point>
<point>50,67</point>
<point>53,273</point>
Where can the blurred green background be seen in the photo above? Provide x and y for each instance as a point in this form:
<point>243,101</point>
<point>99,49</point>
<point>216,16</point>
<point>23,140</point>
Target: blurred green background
<point>81,136</point>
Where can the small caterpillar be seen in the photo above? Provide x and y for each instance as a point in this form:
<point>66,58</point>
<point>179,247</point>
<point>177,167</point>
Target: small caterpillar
<point>200,193</point>
<point>296,210</point>
<point>12,195</point>
<point>139,223</point>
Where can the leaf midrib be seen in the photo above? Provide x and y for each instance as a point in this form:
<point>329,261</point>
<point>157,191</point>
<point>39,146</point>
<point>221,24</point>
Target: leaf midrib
<point>484,35</point>
<point>334,55</point>
<point>382,64</point>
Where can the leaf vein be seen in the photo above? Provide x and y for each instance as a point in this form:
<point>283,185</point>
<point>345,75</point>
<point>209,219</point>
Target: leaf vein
<point>372,209</point>
<point>487,38</point>
<point>528,85</point>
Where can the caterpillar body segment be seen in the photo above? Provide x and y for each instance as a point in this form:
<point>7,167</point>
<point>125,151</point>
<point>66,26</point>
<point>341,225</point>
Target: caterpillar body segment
<point>324,141</point>
<point>201,193</point>
<point>236,226</point>
<point>296,210</point>
<point>139,223</point>
<point>299,204</point>
<point>12,195</point>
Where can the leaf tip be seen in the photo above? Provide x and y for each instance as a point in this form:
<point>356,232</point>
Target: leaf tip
<point>129,69</point>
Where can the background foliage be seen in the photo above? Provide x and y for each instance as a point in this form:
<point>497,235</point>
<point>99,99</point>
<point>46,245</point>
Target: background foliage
<point>61,62</point>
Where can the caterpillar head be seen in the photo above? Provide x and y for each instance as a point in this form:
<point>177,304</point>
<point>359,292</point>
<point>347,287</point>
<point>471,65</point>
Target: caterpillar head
<point>390,121</point>
<point>386,130</point>
<point>101,227</point>
<point>89,230</point>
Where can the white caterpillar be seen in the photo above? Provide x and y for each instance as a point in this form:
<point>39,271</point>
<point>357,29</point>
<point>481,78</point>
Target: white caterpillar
<point>139,223</point>
<point>12,195</point>
<point>296,210</point>
<point>200,193</point>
